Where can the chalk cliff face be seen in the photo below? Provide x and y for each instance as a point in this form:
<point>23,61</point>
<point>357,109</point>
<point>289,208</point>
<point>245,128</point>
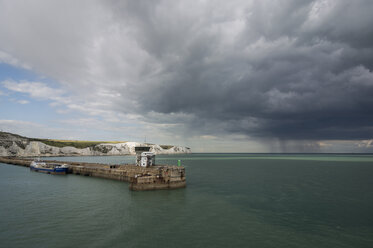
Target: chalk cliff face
<point>14,145</point>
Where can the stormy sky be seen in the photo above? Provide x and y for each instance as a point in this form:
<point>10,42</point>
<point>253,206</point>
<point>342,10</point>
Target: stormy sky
<point>245,76</point>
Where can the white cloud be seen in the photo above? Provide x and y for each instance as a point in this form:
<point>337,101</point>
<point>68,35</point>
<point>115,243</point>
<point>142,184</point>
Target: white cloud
<point>9,59</point>
<point>37,90</point>
<point>20,127</point>
<point>23,101</point>
<point>208,137</point>
<point>37,130</point>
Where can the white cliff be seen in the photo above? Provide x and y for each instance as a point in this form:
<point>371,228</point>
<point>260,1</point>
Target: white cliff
<point>20,146</point>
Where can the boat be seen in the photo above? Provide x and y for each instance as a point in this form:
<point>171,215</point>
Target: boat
<point>49,168</point>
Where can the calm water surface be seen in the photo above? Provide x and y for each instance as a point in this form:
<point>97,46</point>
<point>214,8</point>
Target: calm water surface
<point>231,200</point>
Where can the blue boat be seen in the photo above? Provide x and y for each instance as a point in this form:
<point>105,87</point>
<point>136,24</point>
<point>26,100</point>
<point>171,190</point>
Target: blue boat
<point>49,168</point>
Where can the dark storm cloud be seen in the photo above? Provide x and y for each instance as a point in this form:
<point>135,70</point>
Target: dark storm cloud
<point>289,69</point>
<point>292,70</point>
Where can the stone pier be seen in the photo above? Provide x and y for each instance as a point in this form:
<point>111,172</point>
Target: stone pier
<point>139,178</point>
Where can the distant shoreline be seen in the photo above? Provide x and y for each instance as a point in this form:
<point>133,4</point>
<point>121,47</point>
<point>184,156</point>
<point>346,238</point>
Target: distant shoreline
<point>19,146</point>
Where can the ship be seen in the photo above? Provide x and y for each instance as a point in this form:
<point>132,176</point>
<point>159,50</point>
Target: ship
<point>49,168</point>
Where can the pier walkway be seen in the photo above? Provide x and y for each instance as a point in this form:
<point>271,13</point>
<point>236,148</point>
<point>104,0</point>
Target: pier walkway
<point>139,178</point>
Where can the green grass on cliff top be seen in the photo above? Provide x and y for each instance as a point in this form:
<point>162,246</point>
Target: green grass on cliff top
<point>74,143</point>
<point>62,143</point>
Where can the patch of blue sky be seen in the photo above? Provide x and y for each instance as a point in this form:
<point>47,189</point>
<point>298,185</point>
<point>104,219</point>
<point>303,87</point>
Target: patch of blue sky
<point>9,72</point>
<point>20,106</point>
<point>17,74</point>
<point>35,110</point>
<point>11,107</point>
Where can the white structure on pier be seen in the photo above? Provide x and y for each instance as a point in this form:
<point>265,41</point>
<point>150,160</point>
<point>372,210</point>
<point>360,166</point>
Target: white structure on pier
<point>147,159</point>
<point>144,158</point>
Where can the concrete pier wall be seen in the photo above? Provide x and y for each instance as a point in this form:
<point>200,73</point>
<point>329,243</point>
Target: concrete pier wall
<point>140,178</point>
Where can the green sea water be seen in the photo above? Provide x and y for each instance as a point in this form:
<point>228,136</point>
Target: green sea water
<point>231,200</point>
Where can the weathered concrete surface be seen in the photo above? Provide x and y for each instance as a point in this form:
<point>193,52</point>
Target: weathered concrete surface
<point>155,177</point>
<point>16,161</point>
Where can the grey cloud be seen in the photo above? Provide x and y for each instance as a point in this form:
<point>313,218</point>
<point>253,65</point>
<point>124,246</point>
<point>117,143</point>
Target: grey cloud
<point>291,80</point>
<point>292,70</point>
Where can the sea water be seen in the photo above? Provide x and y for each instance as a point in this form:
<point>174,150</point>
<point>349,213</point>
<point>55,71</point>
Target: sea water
<point>231,200</point>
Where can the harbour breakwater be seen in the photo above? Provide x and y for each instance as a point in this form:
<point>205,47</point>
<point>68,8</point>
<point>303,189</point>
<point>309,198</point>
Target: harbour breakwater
<point>139,178</point>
